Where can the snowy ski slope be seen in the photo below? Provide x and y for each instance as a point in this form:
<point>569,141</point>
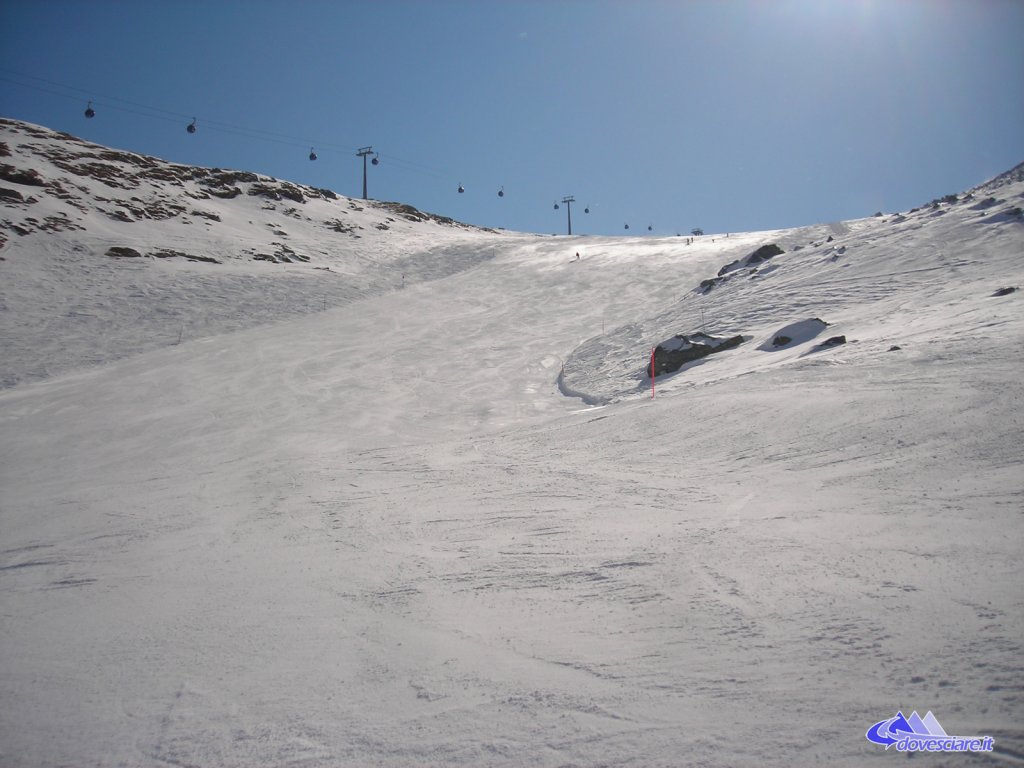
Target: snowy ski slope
<point>410,502</point>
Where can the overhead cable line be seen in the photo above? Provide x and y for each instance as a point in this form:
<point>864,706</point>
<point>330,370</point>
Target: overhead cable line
<point>103,101</point>
<point>148,110</point>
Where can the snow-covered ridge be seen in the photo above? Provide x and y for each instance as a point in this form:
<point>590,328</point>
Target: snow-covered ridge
<point>879,279</point>
<point>115,253</point>
<point>41,169</point>
<point>1011,176</point>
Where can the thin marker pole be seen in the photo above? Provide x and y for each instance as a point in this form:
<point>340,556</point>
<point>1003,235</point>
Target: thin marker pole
<point>652,372</point>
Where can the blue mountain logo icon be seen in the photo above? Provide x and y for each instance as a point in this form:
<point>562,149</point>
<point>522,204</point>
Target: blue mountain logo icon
<point>888,732</point>
<point>916,733</point>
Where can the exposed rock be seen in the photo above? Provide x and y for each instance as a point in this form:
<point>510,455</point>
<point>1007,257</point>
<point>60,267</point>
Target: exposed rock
<point>119,156</point>
<point>276,192</point>
<point>1005,291</point>
<point>162,173</point>
<point>286,254</point>
<point>283,255</point>
<point>339,226</point>
<point>759,256</point>
<point>59,222</point>
<point>711,282</point>
<point>171,254</point>
<point>57,190</point>
<point>123,252</point>
<point>224,178</point>
<point>29,178</point>
<point>119,215</point>
<point>671,355</point>
<point>985,204</point>
<point>159,211</point>
<point>414,214</point>
<point>795,333</point>
<point>18,229</point>
<point>764,253</point>
<point>1014,174</point>
<point>110,175</point>
<point>69,169</point>
<point>224,193</point>
<point>1007,214</point>
<point>835,341</point>
<point>406,211</point>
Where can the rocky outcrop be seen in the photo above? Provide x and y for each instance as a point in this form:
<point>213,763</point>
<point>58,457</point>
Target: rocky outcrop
<point>759,256</point>
<point>711,282</point>
<point>834,341</point>
<point>38,165</point>
<point>28,178</point>
<point>283,255</point>
<point>414,214</point>
<point>671,355</point>
<point>749,262</point>
<point>123,252</point>
<point>278,191</point>
<point>168,253</point>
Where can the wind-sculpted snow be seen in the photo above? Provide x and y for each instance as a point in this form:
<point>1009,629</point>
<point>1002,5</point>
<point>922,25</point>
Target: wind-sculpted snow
<point>420,508</point>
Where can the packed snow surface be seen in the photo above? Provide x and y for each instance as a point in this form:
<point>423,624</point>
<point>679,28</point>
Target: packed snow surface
<point>407,500</point>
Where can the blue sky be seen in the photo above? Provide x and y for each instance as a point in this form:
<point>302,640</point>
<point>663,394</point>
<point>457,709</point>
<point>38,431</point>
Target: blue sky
<point>729,115</point>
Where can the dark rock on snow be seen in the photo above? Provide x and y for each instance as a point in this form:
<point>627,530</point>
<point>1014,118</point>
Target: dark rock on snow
<point>172,254</point>
<point>764,253</point>
<point>795,333</point>
<point>14,175</point>
<point>759,256</point>
<point>123,252</point>
<point>671,355</point>
<point>711,282</point>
